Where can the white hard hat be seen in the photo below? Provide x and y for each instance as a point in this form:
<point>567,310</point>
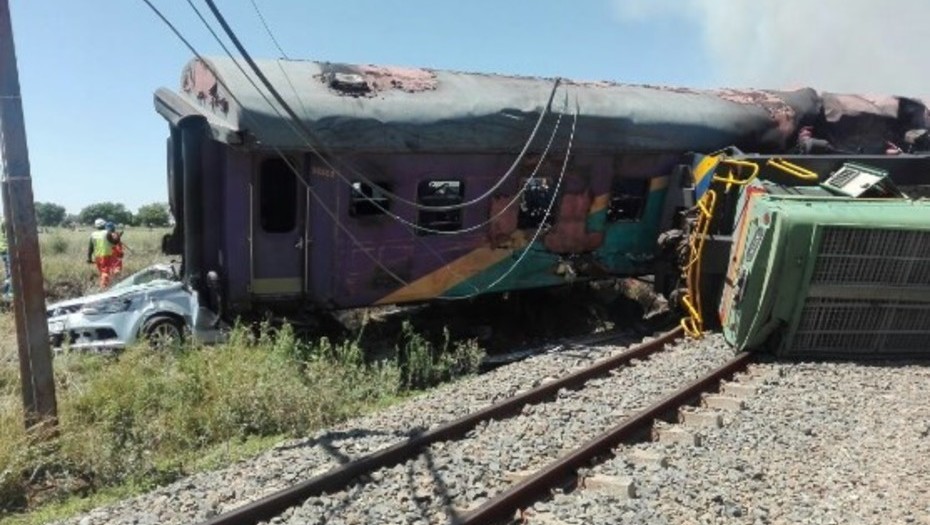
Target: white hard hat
<point>99,223</point>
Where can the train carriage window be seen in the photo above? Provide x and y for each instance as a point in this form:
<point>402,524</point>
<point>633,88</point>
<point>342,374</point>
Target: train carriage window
<point>440,193</point>
<point>277,191</point>
<point>536,200</point>
<point>367,200</point>
<point>627,199</point>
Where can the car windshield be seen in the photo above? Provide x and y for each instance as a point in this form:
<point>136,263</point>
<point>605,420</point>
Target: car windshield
<point>148,275</point>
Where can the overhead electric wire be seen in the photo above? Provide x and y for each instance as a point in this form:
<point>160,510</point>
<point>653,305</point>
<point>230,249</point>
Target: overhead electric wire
<point>542,223</point>
<point>274,40</point>
<point>371,201</point>
<point>332,214</point>
<point>268,29</point>
<point>400,219</point>
<point>293,168</point>
<point>306,183</point>
<point>313,140</point>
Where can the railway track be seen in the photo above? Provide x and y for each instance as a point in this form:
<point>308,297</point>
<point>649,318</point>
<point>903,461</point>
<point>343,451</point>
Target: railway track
<point>612,377</point>
<point>537,486</point>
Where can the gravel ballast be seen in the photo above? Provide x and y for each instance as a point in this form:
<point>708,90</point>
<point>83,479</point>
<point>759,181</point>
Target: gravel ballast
<point>813,443</point>
<point>204,495</point>
<point>462,474</point>
<point>823,443</point>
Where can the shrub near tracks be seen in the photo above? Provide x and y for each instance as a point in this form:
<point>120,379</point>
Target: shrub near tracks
<point>146,418</point>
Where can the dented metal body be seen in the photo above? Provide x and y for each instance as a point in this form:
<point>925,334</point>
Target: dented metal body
<point>329,227</point>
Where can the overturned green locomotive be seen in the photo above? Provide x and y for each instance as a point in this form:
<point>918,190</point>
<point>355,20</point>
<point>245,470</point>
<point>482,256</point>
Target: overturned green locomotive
<point>828,263</point>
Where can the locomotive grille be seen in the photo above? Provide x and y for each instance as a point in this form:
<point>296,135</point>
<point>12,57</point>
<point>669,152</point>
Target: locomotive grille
<point>836,326</point>
<point>874,257</point>
<point>851,258</point>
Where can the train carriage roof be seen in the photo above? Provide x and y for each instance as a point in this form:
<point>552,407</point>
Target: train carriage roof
<point>391,109</point>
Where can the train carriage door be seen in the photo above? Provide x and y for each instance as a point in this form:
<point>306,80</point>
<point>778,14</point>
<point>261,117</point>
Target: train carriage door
<point>278,229</point>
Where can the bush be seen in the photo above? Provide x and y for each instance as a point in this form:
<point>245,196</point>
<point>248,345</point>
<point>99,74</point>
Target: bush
<point>147,406</point>
<point>423,365</point>
<point>58,245</point>
<point>146,418</point>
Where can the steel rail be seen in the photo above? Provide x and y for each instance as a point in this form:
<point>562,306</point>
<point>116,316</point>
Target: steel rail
<point>341,476</point>
<point>519,496</point>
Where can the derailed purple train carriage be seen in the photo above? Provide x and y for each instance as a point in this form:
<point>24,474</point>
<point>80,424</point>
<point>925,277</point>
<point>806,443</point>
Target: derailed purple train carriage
<point>402,185</point>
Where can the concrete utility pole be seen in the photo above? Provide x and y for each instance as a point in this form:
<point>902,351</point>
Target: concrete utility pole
<point>35,357</point>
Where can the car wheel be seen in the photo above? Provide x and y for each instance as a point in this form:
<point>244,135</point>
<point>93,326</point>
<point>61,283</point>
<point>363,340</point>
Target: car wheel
<point>163,332</point>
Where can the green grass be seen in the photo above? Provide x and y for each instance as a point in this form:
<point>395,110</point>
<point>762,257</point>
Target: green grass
<point>143,418</point>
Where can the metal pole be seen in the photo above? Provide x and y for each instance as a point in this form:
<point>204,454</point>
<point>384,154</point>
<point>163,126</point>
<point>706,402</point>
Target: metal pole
<point>35,357</point>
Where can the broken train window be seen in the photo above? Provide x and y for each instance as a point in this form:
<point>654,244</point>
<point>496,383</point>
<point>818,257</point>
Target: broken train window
<point>440,193</point>
<point>627,199</point>
<point>536,200</point>
<point>366,199</point>
<point>277,193</point>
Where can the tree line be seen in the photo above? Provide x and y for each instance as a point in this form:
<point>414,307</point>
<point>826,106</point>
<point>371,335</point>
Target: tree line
<point>155,215</point>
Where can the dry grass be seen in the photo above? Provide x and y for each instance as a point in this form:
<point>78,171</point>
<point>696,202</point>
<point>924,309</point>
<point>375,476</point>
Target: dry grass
<point>142,418</point>
<point>64,256</point>
<point>66,274</point>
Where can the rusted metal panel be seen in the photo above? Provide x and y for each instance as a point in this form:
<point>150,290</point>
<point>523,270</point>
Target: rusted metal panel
<point>569,232</point>
<point>504,222</point>
<point>865,124</point>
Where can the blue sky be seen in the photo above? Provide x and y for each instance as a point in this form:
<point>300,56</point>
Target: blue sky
<point>88,68</point>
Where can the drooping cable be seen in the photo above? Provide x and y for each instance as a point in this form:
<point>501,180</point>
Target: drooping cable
<point>268,29</point>
<point>370,200</point>
<point>316,145</point>
<point>277,44</point>
<point>542,223</point>
<point>290,165</point>
<point>334,216</point>
<point>373,202</point>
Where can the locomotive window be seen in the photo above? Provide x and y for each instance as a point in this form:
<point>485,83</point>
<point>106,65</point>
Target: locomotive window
<point>440,193</point>
<point>627,199</point>
<point>277,193</point>
<point>536,200</point>
<point>367,200</point>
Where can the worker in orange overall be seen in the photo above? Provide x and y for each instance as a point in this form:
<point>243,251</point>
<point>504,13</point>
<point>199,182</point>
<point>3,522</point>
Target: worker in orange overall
<point>116,241</point>
<point>100,252</point>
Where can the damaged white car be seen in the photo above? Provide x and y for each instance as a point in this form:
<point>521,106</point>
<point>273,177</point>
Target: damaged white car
<point>152,303</point>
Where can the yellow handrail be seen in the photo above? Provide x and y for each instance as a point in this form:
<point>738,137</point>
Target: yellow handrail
<point>730,179</point>
<point>693,324</point>
<point>792,169</point>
